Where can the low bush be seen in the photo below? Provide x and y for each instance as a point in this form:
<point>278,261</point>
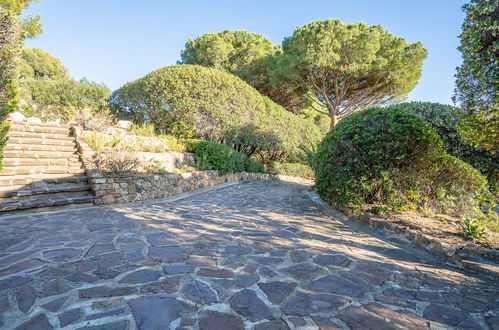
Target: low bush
<point>215,156</point>
<point>174,144</point>
<point>118,162</point>
<point>392,157</point>
<point>292,169</point>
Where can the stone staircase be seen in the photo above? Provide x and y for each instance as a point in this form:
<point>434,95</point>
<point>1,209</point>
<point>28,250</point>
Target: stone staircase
<point>41,169</point>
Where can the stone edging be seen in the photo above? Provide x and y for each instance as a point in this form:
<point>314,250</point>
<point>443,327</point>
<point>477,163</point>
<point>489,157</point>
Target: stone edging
<point>465,256</point>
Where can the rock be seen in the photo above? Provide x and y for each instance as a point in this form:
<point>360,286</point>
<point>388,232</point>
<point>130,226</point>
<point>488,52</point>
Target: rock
<point>26,296</point>
<point>169,253</point>
<point>141,276</point>
<point>332,260</point>
<point>276,292</point>
<point>272,325</point>
<point>247,304</point>
<point>244,281</point>
<point>104,291</point>
<point>211,320</point>
<point>39,322</point>
<point>4,303</point>
<point>119,325</point>
<point>157,312</point>
<point>336,284</point>
<point>443,314</point>
<point>55,287</point>
<point>215,272</point>
<point>17,116</point>
<point>99,249</point>
<point>303,304</point>
<point>170,270</point>
<point>62,255</point>
<point>34,120</point>
<point>198,292</point>
<point>304,271</point>
<point>356,318</point>
<point>55,304</point>
<point>69,317</point>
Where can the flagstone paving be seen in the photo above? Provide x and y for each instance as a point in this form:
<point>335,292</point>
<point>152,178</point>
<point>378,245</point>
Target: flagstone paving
<point>257,255</point>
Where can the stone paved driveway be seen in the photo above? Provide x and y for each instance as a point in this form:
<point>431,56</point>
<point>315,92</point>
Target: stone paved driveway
<point>257,255</point>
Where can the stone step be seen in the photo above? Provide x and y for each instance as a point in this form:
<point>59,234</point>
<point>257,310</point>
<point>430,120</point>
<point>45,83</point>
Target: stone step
<point>45,202</point>
<point>48,189</point>
<point>31,135</point>
<point>44,128</point>
<point>38,147</point>
<point>41,162</point>
<point>40,141</point>
<point>26,170</point>
<point>41,154</point>
<point>23,180</point>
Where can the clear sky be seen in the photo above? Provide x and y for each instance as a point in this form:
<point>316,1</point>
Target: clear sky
<point>115,41</point>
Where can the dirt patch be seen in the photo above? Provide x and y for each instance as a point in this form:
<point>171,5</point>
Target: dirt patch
<point>446,228</point>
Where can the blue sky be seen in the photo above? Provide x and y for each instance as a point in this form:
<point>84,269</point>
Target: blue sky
<point>115,41</point>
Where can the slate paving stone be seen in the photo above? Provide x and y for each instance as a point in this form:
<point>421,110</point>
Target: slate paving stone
<point>26,297</point>
<point>55,304</point>
<point>157,312</point>
<point>304,271</point>
<point>69,317</point>
<point>276,292</point>
<point>336,284</point>
<point>198,292</point>
<point>303,303</point>
<point>225,259</point>
<point>211,320</point>
<point>247,304</point>
<point>180,269</point>
<point>39,322</point>
<point>141,276</point>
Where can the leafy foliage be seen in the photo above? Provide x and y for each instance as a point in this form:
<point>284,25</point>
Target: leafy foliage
<point>30,26</point>
<point>9,52</point>
<point>61,98</point>
<point>471,228</point>
<point>141,130</point>
<point>477,84</point>
<point>194,101</point>
<point>445,119</point>
<point>292,169</point>
<point>36,63</point>
<point>216,156</point>
<point>380,156</point>
<point>246,55</point>
<point>347,67</point>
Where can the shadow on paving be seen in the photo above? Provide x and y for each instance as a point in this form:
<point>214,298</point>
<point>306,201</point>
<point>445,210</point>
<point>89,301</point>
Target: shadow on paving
<point>257,255</point>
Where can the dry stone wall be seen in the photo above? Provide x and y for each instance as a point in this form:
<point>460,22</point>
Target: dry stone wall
<point>111,189</point>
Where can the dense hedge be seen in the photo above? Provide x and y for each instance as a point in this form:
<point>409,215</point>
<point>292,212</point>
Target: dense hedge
<point>444,119</point>
<point>9,76</point>
<point>194,101</point>
<point>216,156</point>
<point>391,157</point>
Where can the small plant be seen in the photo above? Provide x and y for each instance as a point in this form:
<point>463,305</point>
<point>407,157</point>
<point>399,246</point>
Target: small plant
<point>119,162</point>
<point>95,141</point>
<point>377,209</point>
<point>155,166</point>
<point>471,228</point>
<point>174,144</point>
<point>141,130</point>
<point>91,119</point>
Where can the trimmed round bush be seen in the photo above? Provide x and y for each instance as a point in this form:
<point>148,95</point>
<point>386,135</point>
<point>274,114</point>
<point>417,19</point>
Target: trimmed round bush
<point>193,101</point>
<point>391,157</point>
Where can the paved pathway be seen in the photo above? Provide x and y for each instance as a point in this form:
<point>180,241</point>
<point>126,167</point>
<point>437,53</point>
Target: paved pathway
<point>257,255</point>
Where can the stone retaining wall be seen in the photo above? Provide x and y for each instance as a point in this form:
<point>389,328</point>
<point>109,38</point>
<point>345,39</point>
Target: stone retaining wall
<point>110,189</point>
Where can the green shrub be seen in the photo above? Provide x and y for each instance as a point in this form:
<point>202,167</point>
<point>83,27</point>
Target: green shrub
<point>471,228</point>
<point>174,144</point>
<point>141,130</point>
<point>445,119</point>
<point>9,75</point>
<point>63,99</point>
<point>380,156</point>
<point>215,156</point>
<point>191,101</point>
<point>292,169</point>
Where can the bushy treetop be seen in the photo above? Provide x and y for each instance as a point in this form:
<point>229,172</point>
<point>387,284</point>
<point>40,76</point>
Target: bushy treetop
<point>36,63</point>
